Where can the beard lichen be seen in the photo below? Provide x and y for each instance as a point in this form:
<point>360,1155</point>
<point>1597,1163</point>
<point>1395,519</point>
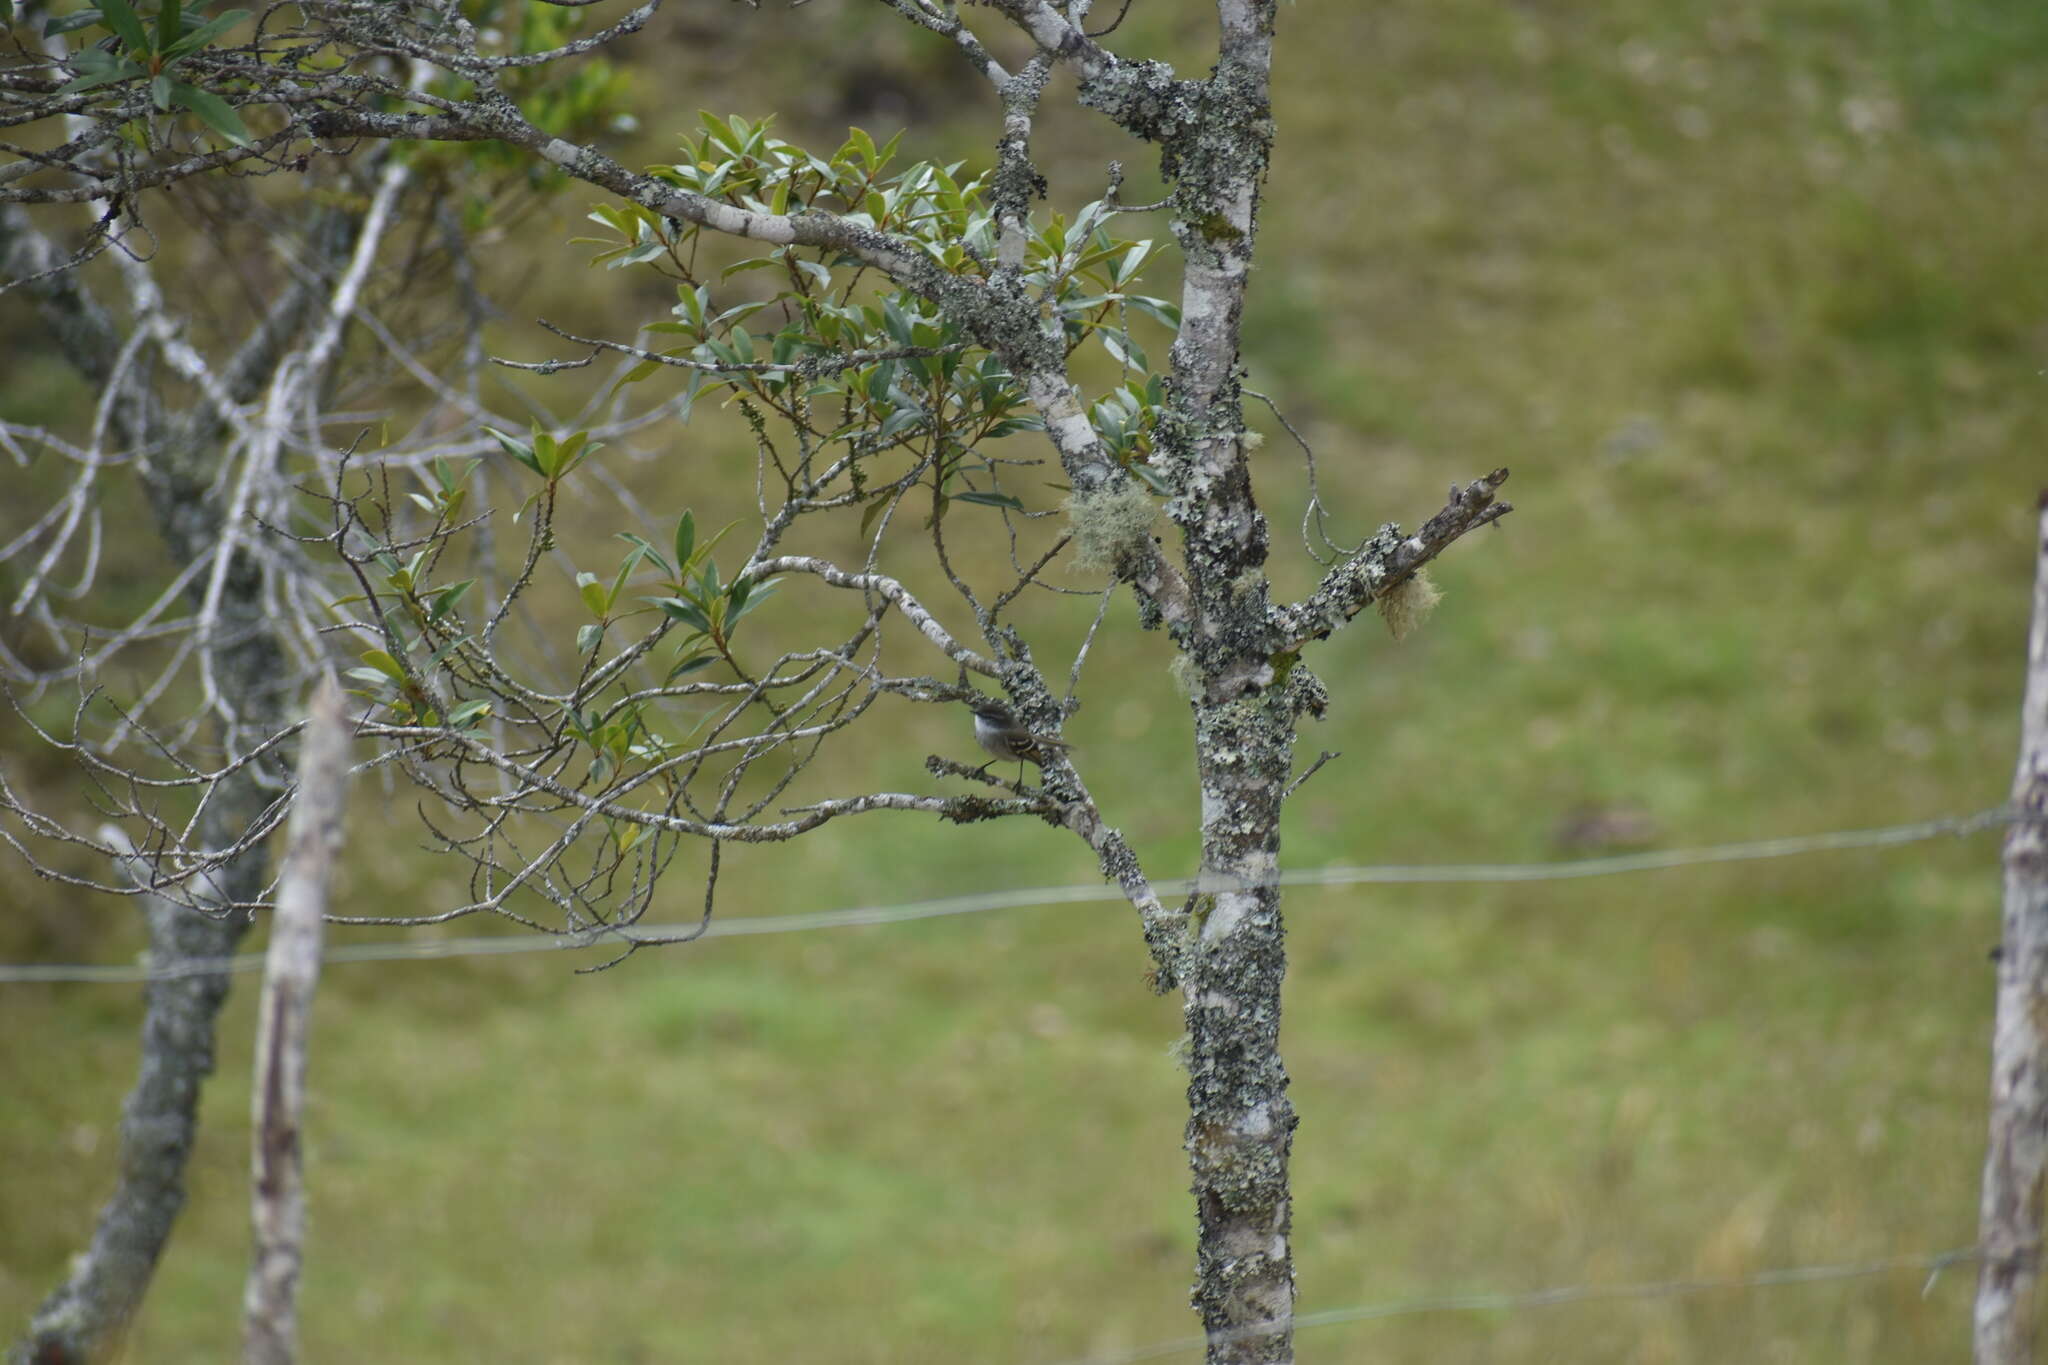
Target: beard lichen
<point>1408,604</point>
<point>1111,525</point>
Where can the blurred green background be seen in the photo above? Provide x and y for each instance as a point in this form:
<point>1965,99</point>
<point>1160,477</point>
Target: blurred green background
<point>1752,299</point>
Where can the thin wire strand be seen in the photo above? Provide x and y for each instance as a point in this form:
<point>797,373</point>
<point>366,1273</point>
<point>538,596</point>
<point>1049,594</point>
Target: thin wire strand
<point>1932,1262</point>
<point>1394,874</point>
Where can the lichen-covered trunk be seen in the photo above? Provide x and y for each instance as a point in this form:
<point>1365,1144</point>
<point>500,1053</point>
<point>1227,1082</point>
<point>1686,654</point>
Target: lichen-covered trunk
<point>1240,1123</point>
<point>2016,1156</point>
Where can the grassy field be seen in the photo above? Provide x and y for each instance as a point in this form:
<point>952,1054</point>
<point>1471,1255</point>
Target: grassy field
<point>1752,300</point>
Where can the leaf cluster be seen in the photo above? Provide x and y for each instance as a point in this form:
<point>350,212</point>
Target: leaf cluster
<point>857,367</point>
<point>153,48</point>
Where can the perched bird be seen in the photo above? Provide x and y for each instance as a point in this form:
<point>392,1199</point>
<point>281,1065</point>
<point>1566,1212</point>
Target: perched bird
<point>1003,736</point>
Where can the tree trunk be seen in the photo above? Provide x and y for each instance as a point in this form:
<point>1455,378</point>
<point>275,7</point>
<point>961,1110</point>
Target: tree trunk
<point>2009,1236</point>
<point>86,1316</point>
<point>284,1021</point>
<point>1240,1123</point>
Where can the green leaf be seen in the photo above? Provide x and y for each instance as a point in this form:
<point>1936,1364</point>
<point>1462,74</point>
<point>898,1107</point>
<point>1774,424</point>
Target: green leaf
<point>160,92</point>
<point>863,146</point>
<point>990,500</point>
<point>753,600</point>
<point>205,33</point>
<point>896,422</point>
<point>383,663</point>
<point>114,70</point>
<point>572,452</point>
<point>547,454</point>
<point>594,595</point>
<point>686,541</point>
<point>1133,261</point>
<point>690,665</point>
<point>587,636</point>
<point>739,312</point>
<point>691,304</point>
<point>469,711</point>
<point>84,18</point>
<point>647,550</point>
<point>170,22</point>
<point>445,600</point>
<point>435,660</point>
<point>1122,349</point>
<point>896,322</point>
<point>213,111</point>
<point>626,568</point>
<point>1159,310</point>
<point>687,613</point>
<point>121,18</point>
<point>518,450</point>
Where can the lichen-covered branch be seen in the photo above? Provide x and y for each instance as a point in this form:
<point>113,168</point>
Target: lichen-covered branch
<point>1384,562</point>
<point>887,588</point>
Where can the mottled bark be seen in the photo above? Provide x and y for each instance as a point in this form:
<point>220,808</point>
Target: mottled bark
<point>2016,1159</point>
<point>284,1019</point>
<point>1240,1122</point>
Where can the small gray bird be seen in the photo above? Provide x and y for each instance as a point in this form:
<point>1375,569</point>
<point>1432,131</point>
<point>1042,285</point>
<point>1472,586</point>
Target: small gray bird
<point>1003,736</point>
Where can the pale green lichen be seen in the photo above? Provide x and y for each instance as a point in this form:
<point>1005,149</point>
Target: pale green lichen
<point>1182,671</point>
<point>1110,525</point>
<point>1409,604</point>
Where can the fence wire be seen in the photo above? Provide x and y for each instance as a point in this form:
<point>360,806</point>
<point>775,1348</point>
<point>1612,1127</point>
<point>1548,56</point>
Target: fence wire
<point>1932,1262</point>
<point>404,950</point>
